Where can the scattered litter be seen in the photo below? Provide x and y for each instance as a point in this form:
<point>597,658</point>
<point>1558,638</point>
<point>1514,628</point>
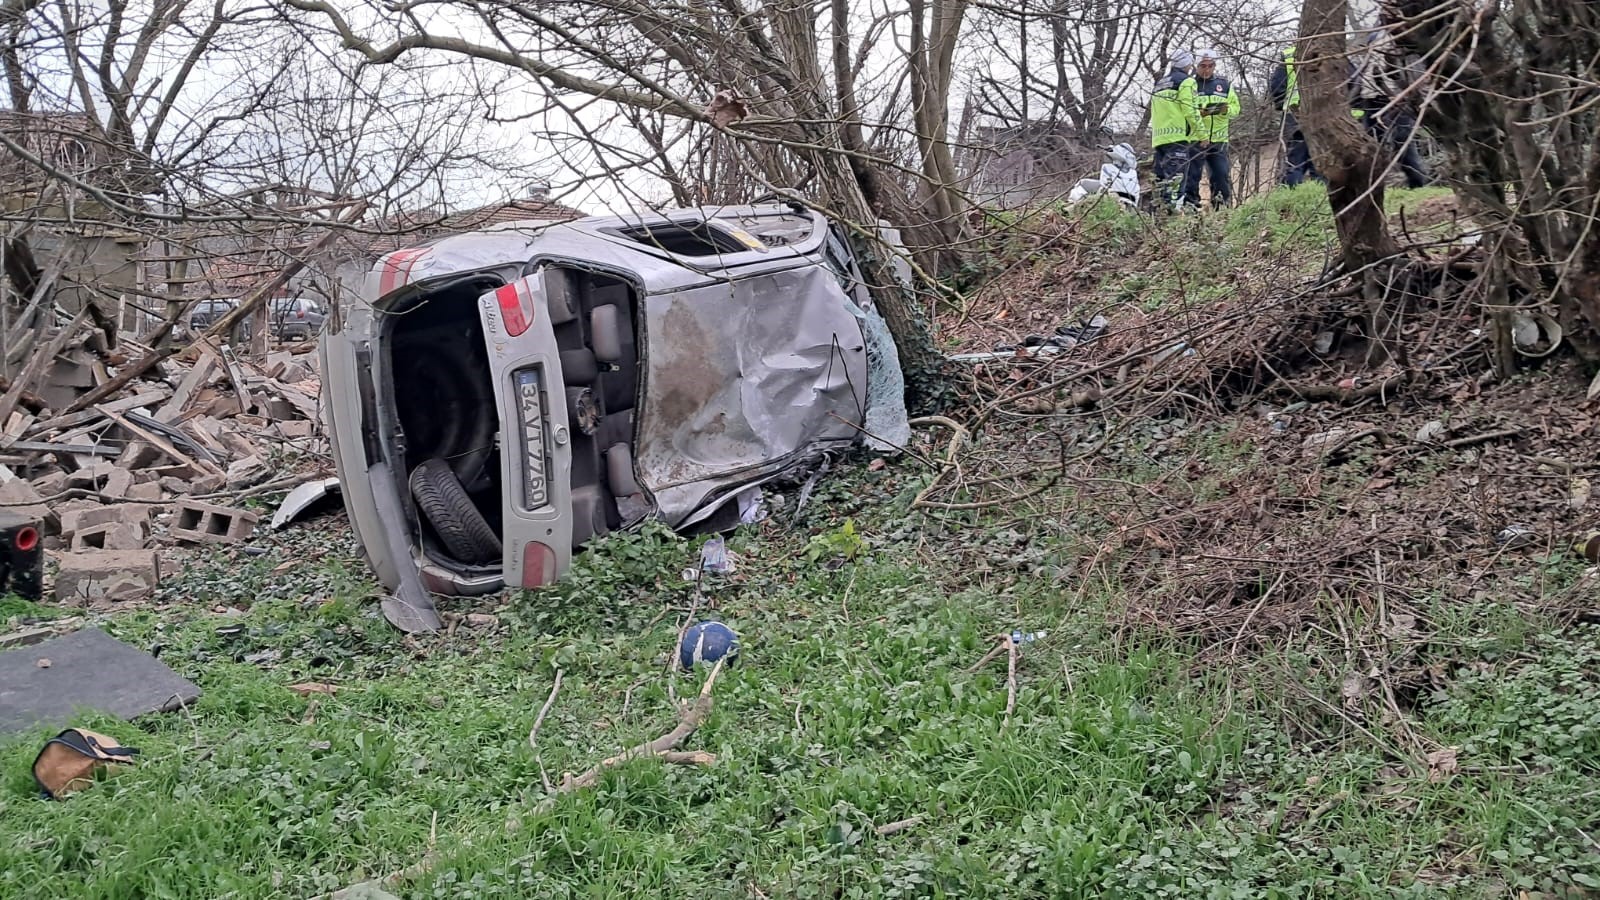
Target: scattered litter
<point>1431,432</point>
<point>307,688</point>
<point>69,761</point>
<point>806,489</point>
<point>482,620</point>
<point>303,498</point>
<point>1516,537</point>
<point>1181,348</point>
<point>707,642</point>
<point>263,656</point>
<point>1023,638</point>
<point>752,508</point>
<point>1588,546</point>
<point>1535,335</point>
<point>1579,492</point>
<point>1324,342</point>
<point>714,557</point>
<point>21,562</point>
<point>1080,333</point>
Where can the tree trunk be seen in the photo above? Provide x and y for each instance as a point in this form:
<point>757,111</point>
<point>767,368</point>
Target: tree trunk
<point>1340,148</point>
<point>930,375</point>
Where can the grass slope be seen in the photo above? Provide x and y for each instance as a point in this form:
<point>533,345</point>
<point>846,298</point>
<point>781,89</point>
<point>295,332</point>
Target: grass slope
<point>1132,765</point>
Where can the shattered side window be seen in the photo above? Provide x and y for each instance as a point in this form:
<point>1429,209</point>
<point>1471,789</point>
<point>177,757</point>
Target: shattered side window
<point>685,238</point>
<point>778,230</point>
<point>840,261</point>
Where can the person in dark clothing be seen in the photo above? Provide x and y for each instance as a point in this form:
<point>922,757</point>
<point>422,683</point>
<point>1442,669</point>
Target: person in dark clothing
<point>1376,81</point>
<point>1216,103</point>
<point>1284,86</point>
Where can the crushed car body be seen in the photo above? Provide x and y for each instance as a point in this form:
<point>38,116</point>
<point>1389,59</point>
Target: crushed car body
<point>498,398</point>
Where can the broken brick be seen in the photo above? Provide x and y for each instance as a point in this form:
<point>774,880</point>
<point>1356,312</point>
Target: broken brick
<point>139,455</point>
<point>174,485</point>
<point>51,483</point>
<point>89,576</point>
<point>102,478</point>
<point>109,536</point>
<point>76,520</point>
<point>149,490</point>
<point>206,523</point>
<point>19,496</point>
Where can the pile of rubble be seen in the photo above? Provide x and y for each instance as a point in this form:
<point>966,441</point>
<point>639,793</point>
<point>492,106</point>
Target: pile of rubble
<point>122,483</point>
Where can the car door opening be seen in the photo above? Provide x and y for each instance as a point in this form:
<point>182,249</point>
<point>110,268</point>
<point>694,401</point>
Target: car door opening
<point>449,432</point>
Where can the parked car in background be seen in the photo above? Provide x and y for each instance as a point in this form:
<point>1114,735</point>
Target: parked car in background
<point>294,318</point>
<point>496,399</point>
<point>207,312</point>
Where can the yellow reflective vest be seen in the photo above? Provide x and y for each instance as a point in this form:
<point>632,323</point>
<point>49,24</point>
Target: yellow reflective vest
<point>1173,118</point>
<point>1216,103</point>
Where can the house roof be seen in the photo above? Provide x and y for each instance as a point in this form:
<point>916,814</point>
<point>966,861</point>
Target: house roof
<point>234,271</point>
<point>409,229</point>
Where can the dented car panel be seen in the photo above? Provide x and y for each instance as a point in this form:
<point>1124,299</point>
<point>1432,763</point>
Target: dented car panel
<point>498,398</point>
<point>757,370</point>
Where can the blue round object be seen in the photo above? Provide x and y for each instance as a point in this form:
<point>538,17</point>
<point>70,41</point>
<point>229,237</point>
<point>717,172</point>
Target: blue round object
<point>707,642</point>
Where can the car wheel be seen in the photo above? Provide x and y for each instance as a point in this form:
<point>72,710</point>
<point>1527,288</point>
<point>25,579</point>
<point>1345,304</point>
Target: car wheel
<point>445,504</point>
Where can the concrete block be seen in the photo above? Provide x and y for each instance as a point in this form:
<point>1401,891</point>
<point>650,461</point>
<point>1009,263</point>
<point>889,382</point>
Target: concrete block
<point>206,523</point>
<point>109,536</point>
<point>76,520</point>
<point>88,576</point>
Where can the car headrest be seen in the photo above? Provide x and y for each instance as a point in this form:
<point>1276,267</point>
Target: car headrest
<point>605,333</point>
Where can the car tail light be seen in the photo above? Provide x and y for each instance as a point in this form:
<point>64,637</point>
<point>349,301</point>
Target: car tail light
<point>535,453</point>
<point>25,539</point>
<point>300,314</point>
<point>538,565</point>
<point>516,307</point>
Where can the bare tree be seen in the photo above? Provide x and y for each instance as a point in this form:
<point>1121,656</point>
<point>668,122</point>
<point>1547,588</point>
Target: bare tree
<point>772,79</point>
<point>1511,91</point>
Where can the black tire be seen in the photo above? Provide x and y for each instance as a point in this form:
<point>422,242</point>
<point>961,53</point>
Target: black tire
<point>446,506</point>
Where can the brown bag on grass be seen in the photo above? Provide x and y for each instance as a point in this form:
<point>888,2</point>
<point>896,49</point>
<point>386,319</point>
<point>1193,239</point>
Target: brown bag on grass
<point>69,760</point>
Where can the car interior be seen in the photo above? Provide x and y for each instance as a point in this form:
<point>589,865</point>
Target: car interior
<point>443,397</point>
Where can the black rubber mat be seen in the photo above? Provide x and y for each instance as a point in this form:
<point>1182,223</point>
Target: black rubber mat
<point>88,670</point>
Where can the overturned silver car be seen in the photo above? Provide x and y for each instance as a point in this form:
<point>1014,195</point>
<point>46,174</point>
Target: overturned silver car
<point>498,398</point>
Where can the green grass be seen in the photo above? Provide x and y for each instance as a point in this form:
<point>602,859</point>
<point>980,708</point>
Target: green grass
<point>1127,769</point>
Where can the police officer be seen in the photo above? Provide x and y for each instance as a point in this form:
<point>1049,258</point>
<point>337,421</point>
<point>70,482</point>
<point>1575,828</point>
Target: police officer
<point>1216,103</point>
<point>1284,86</point>
<point>1173,126</point>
